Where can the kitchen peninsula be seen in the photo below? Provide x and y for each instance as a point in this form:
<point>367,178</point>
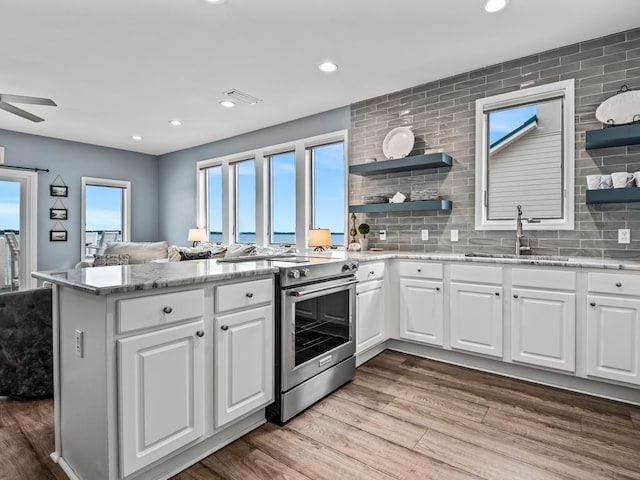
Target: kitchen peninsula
<point>136,342</point>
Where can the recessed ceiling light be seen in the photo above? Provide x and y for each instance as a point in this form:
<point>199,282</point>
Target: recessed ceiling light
<point>136,137</point>
<point>328,67</point>
<point>215,2</point>
<point>227,103</point>
<point>493,6</point>
<point>175,123</point>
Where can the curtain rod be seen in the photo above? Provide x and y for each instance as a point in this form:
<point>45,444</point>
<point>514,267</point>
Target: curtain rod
<point>25,168</point>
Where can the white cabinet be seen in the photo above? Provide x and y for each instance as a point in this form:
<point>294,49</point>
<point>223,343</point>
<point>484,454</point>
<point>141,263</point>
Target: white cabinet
<point>370,315</point>
<point>613,337</point>
<point>476,318</point>
<point>244,363</point>
<point>543,328</point>
<point>161,393</point>
<point>421,310</point>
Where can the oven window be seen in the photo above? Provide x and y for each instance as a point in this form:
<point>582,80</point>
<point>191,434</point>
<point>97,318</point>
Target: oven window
<point>322,324</point>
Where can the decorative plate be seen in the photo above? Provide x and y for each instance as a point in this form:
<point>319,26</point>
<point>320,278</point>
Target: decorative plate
<point>622,108</point>
<point>398,143</point>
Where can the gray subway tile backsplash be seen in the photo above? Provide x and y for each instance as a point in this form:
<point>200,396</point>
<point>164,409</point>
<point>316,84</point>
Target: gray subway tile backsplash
<point>442,114</point>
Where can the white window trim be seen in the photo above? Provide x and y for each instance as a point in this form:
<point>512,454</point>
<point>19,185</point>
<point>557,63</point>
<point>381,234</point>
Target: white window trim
<point>28,261</point>
<point>126,214</point>
<point>303,185</point>
<point>566,89</point>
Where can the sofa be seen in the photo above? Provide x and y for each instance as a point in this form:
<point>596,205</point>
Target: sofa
<point>26,344</point>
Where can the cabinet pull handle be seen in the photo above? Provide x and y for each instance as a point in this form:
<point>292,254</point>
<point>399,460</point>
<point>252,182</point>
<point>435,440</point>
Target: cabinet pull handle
<point>515,296</point>
<point>497,294</point>
<point>224,327</point>
<point>249,295</point>
<point>437,289</point>
<point>593,304</point>
<point>167,309</point>
<point>200,333</point>
<point>618,284</point>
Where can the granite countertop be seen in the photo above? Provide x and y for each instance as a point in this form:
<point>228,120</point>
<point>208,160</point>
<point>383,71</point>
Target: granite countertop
<point>130,278</point>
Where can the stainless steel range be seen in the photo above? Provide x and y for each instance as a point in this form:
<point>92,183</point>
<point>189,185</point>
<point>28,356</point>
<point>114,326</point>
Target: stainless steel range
<point>315,331</point>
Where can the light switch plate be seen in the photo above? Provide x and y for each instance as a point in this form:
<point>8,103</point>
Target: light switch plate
<point>1,155</point>
<point>624,235</point>
<point>79,342</point>
<point>425,234</point>
<point>454,235</point>
<point>383,235</point>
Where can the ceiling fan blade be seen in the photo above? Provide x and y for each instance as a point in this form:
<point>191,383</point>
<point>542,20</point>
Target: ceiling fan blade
<point>5,97</point>
<point>18,111</point>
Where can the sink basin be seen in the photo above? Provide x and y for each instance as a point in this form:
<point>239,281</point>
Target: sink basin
<point>522,257</point>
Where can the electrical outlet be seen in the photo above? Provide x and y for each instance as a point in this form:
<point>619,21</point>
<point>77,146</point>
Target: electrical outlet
<point>454,235</point>
<point>383,235</point>
<point>425,234</point>
<point>79,341</point>
<point>624,235</point>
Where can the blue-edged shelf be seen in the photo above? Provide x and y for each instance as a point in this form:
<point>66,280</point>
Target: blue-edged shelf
<point>614,195</point>
<point>613,136</point>
<point>415,162</point>
<point>402,207</point>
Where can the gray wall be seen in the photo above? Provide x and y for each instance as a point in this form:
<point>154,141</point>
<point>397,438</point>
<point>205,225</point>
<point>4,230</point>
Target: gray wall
<point>72,160</point>
<point>178,169</point>
<point>444,116</point>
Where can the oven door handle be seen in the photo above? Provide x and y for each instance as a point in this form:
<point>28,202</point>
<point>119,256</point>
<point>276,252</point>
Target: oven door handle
<point>304,293</point>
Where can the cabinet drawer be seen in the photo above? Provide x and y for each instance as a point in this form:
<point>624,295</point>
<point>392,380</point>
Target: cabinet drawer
<point>420,269</point>
<point>476,273</point>
<point>370,271</point>
<point>243,294</point>
<point>154,310</point>
<point>614,283</point>
<point>542,278</point>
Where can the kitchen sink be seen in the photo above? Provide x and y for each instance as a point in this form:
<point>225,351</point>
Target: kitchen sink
<point>523,257</point>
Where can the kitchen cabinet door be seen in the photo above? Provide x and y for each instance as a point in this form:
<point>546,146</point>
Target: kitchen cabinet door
<point>543,328</point>
<point>476,318</point>
<point>421,311</point>
<point>244,363</point>
<point>370,315</point>
<point>613,338</point>
<point>161,393</point>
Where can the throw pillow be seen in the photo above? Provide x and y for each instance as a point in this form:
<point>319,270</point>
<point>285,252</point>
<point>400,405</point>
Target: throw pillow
<point>139,252</point>
<point>195,255</point>
<point>107,260</point>
<point>240,250</point>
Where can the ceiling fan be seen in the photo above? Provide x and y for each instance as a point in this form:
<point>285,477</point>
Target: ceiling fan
<point>7,107</point>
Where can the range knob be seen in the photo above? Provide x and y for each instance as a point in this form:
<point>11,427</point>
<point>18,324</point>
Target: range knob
<point>294,273</point>
<point>346,267</point>
<point>305,272</point>
<point>354,267</point>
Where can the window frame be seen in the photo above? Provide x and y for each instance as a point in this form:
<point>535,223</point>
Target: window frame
<point>268,158</point>
<point>126,207</point>
<point>263,203</point>
<point>564,89</point>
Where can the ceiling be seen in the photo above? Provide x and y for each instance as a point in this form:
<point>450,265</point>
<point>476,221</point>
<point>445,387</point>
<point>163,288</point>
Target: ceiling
<point>119,68</point>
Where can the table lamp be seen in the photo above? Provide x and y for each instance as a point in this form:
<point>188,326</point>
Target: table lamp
<point>320,238</point>
<point>196,235</point>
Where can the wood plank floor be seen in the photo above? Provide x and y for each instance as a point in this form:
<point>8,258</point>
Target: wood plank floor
<point>402,417</point>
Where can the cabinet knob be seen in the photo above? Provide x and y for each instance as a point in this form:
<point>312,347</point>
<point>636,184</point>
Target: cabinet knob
<point>618,284</point>
<point>497,294</point>
<point>249,295</point>
<point>167,309</point>
<point>419,270</point>
<point>515,296</point>
<point>437,289</point>
<point>224,327</point>
<point>200,333</point>
<point>593,304</point>
<point>372,273</point>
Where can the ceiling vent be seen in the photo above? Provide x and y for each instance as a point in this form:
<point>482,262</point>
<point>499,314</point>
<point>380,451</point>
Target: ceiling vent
<point>242,97</point>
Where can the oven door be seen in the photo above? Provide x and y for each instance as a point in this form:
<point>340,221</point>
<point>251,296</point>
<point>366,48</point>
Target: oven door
<point>317,328</point>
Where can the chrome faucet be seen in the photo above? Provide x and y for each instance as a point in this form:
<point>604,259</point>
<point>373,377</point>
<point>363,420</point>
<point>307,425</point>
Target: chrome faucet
<point>520,250</point>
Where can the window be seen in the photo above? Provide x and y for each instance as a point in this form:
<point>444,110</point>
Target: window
<point>328,189</point>
<point>106,213</point>
<point>282,189</point>
<point>245,217</point>
<point>275,194</point>
<point>214,189</point>
<point>525,156</point>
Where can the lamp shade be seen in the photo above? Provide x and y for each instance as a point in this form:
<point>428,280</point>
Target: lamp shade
<point>196,235</point>
<point>320,237</point>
